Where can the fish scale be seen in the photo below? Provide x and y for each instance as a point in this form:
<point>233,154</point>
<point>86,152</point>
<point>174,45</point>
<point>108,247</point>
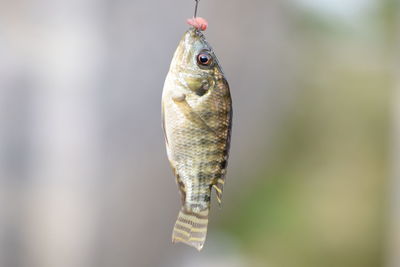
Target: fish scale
<point>197,119</point>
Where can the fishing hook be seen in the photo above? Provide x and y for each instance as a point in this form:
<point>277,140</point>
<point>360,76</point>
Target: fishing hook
<point>195,9</point>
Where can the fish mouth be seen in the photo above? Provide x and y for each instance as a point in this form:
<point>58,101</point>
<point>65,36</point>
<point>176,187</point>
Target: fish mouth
<point>195,33</point>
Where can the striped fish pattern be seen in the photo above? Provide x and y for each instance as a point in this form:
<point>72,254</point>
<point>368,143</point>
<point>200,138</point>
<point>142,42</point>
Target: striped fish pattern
<point>197,119</point>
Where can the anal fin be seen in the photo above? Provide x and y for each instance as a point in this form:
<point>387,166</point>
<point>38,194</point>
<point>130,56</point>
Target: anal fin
<point>181,187</point>
<point>179,183</point>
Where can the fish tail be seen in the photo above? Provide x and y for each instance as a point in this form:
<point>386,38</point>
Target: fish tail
<point>191,228</point>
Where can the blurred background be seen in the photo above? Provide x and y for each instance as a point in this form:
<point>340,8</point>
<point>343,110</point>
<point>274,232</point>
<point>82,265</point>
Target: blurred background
<point>313,177</point>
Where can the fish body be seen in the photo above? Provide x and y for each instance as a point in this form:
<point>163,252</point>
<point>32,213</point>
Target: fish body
<point>197,119</point>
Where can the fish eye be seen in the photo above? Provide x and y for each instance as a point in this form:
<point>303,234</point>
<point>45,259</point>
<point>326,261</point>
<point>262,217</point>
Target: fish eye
<point>204,59</point>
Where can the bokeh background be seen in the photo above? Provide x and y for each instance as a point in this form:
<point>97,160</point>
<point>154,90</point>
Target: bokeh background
<point>313,178</point>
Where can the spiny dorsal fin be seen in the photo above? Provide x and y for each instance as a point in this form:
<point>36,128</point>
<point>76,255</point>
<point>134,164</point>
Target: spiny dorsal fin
<point>219,186</point>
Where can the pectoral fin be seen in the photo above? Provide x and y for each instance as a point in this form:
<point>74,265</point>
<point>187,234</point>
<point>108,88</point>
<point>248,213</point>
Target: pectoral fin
<point>189,113</point>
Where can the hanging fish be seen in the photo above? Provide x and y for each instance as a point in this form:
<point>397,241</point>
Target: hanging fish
<point>197,120</point>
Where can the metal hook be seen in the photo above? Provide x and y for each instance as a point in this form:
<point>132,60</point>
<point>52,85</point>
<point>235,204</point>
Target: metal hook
<point>195,9</point>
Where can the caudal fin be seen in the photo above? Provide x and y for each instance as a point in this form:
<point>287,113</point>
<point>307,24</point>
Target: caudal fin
<point>191,228</point>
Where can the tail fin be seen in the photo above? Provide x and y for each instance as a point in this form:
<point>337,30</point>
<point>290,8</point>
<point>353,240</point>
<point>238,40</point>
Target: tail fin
<point>191,228</point>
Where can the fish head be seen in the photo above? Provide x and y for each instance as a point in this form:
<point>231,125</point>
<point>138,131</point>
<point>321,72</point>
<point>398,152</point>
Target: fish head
<point>195,63</point>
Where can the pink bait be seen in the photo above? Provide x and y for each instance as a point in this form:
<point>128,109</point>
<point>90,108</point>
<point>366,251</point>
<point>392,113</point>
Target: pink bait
<point>199,23</point>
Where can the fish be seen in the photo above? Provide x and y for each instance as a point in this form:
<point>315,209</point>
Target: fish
<point>197,124</point>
